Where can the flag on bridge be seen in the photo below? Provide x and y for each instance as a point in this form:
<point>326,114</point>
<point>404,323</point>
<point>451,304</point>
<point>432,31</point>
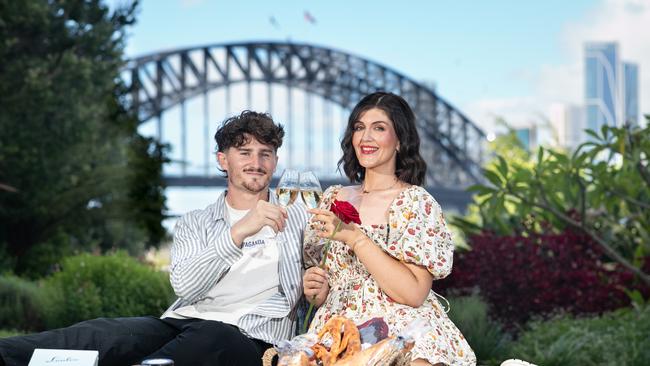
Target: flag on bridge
<point>310,18</point>
<point>274,22</point>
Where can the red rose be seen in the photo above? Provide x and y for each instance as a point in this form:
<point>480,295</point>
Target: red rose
<point>346,212</point>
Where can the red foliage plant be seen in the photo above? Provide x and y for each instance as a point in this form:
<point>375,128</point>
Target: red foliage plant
<point>524,276</point>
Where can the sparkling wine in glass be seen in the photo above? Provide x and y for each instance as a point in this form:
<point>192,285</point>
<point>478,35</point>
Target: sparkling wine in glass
<point>310,189</point>
<point>288,187</point>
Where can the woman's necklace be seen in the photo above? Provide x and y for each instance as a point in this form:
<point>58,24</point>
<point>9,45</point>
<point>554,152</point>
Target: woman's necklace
<point>364,191</point>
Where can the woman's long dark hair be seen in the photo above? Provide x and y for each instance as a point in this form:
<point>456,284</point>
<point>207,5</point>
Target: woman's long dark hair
<point>410,168</point>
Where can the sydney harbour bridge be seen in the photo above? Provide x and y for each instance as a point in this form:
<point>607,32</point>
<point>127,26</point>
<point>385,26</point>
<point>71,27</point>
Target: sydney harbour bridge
<point>181,96</point>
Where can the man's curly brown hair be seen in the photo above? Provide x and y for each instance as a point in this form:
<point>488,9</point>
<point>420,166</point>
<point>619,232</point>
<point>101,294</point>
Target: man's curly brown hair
<point>236,131</point>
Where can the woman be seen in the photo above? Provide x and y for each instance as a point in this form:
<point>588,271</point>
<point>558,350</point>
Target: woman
<point>384,267</point>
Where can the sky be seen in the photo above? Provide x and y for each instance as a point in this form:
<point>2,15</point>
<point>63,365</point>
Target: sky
<point>488,58</point>
<point>498,58</point>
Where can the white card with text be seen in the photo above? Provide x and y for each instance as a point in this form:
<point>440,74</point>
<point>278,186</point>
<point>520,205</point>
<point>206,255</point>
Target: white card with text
<point>63,357</point>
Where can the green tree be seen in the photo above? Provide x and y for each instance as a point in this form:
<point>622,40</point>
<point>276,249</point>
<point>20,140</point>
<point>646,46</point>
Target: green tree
<point>82,176</point>
<point>509,147</point>
<point>602,190</point>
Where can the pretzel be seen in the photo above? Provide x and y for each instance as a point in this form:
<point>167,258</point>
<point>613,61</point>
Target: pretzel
<point>348,343</point>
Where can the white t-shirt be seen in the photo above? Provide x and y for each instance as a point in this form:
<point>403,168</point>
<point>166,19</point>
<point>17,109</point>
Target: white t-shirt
<point>249,282</point>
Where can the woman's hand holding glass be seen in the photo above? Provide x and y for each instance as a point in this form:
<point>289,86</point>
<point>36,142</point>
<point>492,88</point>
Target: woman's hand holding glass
<point>327,224</point>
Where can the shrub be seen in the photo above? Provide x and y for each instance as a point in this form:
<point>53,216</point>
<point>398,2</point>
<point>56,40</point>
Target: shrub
<point>616,338</point>
<point>485,336</point>
<point>9,333</point>
<point>106,286</point>
<point>540,274</point>
<point>21,304</point>
<point>602,189</point>
<point>7,261</point>
<point>42,259</point>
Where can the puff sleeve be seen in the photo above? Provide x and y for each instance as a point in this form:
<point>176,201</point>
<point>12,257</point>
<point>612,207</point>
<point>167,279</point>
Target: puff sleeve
<point>419,234</point>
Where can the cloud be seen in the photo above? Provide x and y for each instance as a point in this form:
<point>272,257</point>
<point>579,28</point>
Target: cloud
<point>562,83</point>
<point>516,111</point>
<point>624,21</point>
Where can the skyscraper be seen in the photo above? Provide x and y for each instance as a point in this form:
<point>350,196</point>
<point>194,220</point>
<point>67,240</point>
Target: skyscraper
<point>631,93</point>
<point>601,78</point>
<point>568,124</point>
<point>611,87</point>
<point>527,136</point>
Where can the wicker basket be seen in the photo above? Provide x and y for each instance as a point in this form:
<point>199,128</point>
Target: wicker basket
<point>269,355</point>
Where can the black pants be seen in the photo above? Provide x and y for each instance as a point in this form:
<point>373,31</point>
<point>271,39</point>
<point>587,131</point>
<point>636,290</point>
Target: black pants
<point>127,341</point>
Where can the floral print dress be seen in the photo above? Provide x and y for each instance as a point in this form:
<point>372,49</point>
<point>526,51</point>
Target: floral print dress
<point>415,233</point>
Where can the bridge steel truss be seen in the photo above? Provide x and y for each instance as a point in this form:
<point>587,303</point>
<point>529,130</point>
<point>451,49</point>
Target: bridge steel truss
<point>451,144</point>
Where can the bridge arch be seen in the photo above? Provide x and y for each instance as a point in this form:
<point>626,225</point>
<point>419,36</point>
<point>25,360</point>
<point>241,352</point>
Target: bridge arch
<point>452,144</point>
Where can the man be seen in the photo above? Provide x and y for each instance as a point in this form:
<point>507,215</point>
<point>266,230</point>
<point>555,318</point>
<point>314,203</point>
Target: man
<point>236,267</point>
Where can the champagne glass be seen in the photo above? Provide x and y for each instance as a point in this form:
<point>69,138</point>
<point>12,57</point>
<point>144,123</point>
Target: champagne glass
<point>310,189</point>
<point>288,187</point>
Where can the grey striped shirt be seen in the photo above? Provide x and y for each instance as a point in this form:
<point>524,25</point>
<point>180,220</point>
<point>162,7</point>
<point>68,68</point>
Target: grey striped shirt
<point>203,252</point>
